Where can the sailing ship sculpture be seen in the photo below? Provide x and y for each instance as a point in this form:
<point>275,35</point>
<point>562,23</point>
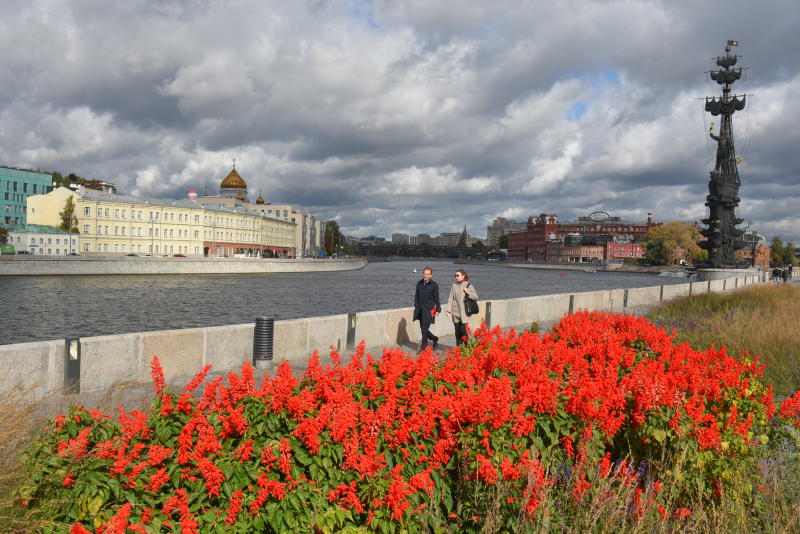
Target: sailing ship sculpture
<point>723,239</point>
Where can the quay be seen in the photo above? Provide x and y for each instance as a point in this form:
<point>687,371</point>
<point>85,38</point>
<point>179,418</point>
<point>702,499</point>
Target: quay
<point>134,265</point>
<point>108,361</point>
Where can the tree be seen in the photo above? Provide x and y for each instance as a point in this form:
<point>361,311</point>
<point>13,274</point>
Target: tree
<point>788,254</point>
<point>3,235</point>
<point>777,251</point>
<point>502,241</point>
<point>334,239</point>
<point>69,221</point>
<point>57,179</point>
<point>654,252</point>
<point>478,244</point>
<point>671,242</point>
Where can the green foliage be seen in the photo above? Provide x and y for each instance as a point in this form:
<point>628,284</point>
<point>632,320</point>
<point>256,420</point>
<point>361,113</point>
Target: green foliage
<point>334,239</point>
<point>502,242</point>
<point>655,252</point>
<point>69,221</point>
<point>3,235</point>
<point>670,242</point>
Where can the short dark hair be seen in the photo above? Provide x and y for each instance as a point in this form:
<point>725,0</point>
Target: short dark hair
<point>462,271</point>
<point>427,269</point>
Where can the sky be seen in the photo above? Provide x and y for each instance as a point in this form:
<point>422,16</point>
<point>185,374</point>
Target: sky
<point>409,116</point>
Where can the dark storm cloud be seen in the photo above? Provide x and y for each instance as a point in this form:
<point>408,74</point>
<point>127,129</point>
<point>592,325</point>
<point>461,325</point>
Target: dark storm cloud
<point>407,115</point>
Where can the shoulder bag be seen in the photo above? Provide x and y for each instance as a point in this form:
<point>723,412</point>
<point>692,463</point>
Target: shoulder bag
<point>470,306</point>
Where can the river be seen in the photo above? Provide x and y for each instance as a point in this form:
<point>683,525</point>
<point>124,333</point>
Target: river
<point>36,308</point>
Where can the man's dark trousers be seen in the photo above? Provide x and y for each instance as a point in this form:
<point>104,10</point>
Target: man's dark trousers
<point>426,334</point>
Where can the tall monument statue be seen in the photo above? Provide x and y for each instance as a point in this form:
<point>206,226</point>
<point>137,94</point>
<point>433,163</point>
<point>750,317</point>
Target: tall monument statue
<point>723,239</point>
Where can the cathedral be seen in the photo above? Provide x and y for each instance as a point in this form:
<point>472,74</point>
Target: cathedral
<point>233,194</point>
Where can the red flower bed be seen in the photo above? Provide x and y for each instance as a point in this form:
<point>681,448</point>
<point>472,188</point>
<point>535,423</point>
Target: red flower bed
<point>410,441</point>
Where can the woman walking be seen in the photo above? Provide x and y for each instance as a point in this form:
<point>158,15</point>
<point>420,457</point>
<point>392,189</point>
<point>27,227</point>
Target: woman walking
<point>455,303</point>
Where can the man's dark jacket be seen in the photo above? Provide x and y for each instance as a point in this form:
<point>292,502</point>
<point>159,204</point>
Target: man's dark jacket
<point>426,298</point>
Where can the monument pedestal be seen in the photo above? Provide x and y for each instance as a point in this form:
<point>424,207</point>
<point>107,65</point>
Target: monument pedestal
<point>704,275</point>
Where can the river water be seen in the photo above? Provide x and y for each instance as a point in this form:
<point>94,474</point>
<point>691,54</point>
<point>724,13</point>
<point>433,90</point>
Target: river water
<point>37,308</point>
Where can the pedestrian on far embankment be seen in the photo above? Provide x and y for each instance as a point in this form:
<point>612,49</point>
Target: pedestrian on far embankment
<point>427,307</point>
<point>777,274</point>
<point>787,274</point>
<point>455,304</point>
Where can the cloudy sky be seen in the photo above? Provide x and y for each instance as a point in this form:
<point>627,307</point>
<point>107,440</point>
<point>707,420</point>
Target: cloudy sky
<point>414,116</point>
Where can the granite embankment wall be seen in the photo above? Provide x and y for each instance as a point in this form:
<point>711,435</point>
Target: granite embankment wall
<point>88,265</point>
<point>107,360</point>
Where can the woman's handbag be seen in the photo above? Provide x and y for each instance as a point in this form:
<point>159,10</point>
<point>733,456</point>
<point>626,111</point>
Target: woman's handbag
<point>470,306</point>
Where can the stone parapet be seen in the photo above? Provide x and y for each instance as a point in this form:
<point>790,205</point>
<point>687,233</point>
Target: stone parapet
<point>38,368</point>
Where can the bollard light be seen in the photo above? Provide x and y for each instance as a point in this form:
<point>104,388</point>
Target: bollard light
<point>72,365</point>
<point>262,342</point>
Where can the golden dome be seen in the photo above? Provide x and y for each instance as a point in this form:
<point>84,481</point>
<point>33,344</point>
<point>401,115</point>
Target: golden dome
<point>239,196</point>
<point>233,181</point>
<point>260,200</point>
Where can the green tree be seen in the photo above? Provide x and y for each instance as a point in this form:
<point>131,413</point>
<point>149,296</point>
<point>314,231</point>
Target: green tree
<point>788,254</point>
<point>671,242</point>
<point>3,235</point>
<point>478,244</point>
<point>655,252</point>
<point>69,221</point>
<point>334,239</point>
<point>57,179</point>
<point>777,251</point>
<point>502,241</point>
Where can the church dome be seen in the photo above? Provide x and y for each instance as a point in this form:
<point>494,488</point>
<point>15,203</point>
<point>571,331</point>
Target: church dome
<point>240,196</point>
<point>260,199</point>
<point>233,181</point>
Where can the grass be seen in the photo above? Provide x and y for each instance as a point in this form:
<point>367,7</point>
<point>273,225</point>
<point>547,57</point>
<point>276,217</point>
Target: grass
<point>759,320</point>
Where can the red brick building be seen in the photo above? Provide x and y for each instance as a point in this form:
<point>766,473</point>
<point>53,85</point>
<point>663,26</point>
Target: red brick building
<point>548,240</point>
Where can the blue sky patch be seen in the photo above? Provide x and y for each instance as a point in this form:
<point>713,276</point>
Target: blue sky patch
<point>577,111</point>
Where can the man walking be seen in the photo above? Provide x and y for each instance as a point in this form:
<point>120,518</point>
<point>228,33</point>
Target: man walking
<point>427,307</point>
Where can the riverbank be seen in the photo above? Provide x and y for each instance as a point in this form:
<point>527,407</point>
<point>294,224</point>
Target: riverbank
<point>136,265</point>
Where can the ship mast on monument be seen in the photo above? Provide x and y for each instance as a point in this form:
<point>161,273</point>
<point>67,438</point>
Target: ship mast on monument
<point>722,236</point>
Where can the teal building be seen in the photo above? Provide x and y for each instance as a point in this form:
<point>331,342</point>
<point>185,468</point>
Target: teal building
<point>16,185</point>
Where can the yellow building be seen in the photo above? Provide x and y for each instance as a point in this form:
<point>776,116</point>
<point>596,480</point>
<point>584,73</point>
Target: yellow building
<point>118,225</point>
<point>233,194</point>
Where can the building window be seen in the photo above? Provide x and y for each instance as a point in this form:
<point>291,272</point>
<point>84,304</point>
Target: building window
<point>140,218</point>
<point>87,211</point>
<point>122,230</point>
<point>87,247</point>
<point>116,214</point>
<point>197,218</point>
<point>85,228</point>
<point>123,214</point>
<point>107,212</point>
